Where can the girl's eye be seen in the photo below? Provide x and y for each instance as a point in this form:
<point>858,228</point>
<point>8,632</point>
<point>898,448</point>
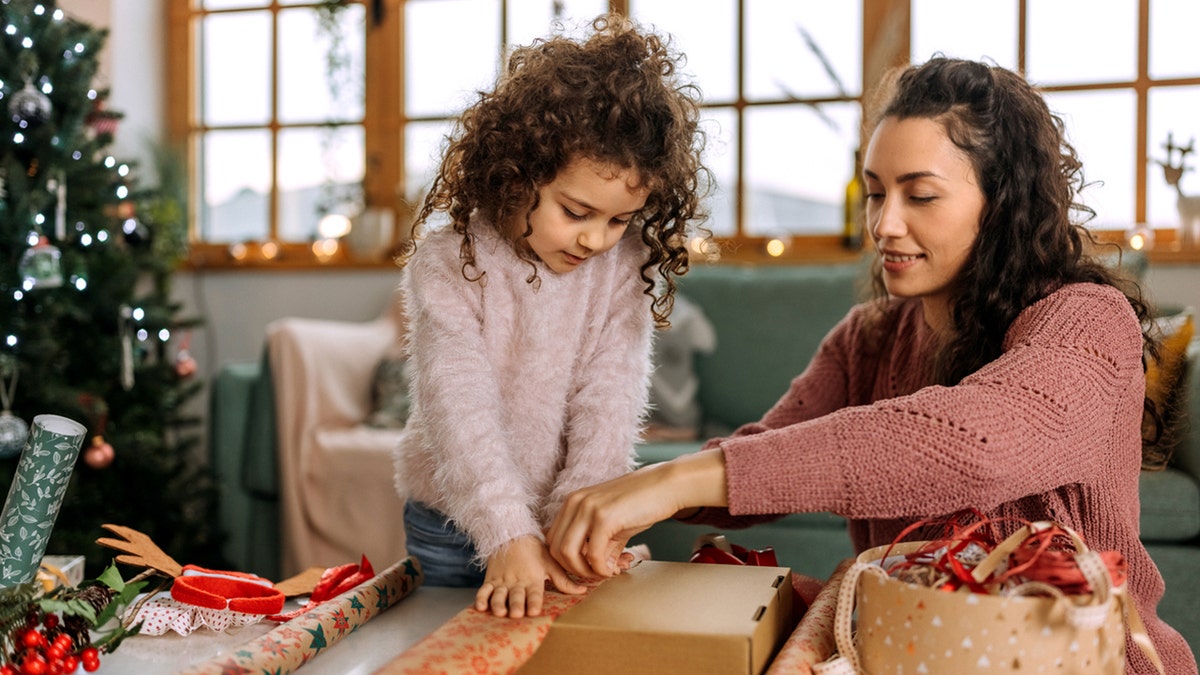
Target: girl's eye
<point>620,222</point>
<point>572,215</point>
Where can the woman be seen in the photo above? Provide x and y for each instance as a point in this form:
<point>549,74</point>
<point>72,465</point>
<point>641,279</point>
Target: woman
<point>974,379</point>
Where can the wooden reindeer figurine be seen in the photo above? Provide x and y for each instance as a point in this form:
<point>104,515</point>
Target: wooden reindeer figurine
<point>1188,206</point>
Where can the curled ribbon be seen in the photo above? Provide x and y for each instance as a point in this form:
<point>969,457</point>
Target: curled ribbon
<point>334,581</point>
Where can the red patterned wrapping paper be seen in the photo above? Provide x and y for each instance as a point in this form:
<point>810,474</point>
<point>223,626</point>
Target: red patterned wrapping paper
<point>813,640</point>
<point>478,643</point>
<point>290,645</point>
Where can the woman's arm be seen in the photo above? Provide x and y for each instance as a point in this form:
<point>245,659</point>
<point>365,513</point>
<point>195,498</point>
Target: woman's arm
<point>596,523</point>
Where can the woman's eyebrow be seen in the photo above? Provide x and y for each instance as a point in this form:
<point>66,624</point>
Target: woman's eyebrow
<point>907,177</point>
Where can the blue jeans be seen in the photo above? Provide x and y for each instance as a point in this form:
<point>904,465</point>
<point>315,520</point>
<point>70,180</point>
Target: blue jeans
<point>444,551</point>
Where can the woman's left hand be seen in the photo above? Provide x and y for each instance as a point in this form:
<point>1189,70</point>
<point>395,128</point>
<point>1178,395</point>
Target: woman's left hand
<point>596,523</point>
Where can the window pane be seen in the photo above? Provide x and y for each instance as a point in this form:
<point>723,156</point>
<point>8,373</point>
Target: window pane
<point>969,30</point>
<point>236,73</point>
<point>789,43</point>
<point>1172,112</point>
<point>1081,41</point>
<point>531,19</point>
<point>707,39</point>
<point>237,178</point>
<point>1173,51</point>
<point>307,60</point>
<point>798,161</point>
<point>231,4</point>
<point>720,156</point>
<point>320,171</point>
<point>1100,124</point>
<point>424,142</point>
<point>447,59</point>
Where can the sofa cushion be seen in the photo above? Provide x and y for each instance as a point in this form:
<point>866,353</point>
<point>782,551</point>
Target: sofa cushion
<point>769,321</point>
<point>1170,506</point>
<point>674,409</point>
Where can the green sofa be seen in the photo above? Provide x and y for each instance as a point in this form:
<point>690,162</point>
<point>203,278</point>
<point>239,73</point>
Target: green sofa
<point>768,323</point>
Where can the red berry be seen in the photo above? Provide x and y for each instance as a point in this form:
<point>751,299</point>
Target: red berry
<point>63,640</point>
<point>33,666</point>
<point>50,621</point>
<point>7,669</point>
<point>91,666</point>
<point>70,663</point>
<point>90,654</point>
<point>32,638</point>
<point>55,652</point>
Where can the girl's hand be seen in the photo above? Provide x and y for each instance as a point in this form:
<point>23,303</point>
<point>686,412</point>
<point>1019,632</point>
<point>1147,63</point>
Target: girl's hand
<point>515,582</point>
<point>595,523</point>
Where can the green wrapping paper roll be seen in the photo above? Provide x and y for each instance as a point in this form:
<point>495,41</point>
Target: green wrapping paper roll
<point>36,495</point>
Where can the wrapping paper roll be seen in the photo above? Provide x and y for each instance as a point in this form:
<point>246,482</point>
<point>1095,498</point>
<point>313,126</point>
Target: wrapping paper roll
<point>293,644</point>
<point>813,641</point>
<point>36,495</point>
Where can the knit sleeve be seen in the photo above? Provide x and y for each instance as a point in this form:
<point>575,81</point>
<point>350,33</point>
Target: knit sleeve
<point>1043,415</point>
<point>608,402</point>
<point>468,460</point>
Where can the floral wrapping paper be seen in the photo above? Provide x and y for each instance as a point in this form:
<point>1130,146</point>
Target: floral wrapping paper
<point>293,644</point>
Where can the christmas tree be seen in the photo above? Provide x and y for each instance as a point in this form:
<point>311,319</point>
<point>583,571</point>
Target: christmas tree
<point>88,329</point>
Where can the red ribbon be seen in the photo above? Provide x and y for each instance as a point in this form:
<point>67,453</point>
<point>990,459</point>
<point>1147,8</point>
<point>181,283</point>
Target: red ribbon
<point>333,582</point>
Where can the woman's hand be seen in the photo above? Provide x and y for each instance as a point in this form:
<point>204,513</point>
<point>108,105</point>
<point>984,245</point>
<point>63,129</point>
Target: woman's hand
<point>595,523</point>
<point>515,582</point>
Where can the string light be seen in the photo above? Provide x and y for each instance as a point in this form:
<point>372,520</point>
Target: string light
<point>164,335</point>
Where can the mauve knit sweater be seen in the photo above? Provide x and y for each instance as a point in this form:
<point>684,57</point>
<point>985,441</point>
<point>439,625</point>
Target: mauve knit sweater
<point>521,392</point>
<point>1050,430</point>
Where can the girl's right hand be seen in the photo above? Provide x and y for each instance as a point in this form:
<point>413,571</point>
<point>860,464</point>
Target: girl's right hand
<point>596,523</point>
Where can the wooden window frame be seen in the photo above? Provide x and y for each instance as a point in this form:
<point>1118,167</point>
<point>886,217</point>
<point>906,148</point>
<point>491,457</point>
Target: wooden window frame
<point>886,43</point>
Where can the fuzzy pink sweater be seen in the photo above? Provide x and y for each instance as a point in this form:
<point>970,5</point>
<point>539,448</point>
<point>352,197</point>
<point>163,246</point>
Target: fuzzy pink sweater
<point>521,393</point>
<point>1049,430</point>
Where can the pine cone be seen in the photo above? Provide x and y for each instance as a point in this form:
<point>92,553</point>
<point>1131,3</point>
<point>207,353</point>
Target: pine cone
<point>97,596</point>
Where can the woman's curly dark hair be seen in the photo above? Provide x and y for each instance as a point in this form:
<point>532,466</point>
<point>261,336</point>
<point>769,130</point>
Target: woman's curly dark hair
<point>1032,238</point>
<point>613,98</point>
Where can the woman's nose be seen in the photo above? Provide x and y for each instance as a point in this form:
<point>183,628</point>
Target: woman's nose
<point>887,220</point>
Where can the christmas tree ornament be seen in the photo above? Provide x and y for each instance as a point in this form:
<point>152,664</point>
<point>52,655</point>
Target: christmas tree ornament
<point>185,363</point>
<point>125,328</point>
<point>13,430</point>
<point>41,266</point>
<point>59,187</point>
<point>29,106</point>
<point>99,454</point>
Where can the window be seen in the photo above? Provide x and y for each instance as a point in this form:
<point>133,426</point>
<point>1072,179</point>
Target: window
<point>291,118</point>
<point>1123,75</point>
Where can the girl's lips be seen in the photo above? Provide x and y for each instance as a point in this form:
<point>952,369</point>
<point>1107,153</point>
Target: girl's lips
<point>573,259</point>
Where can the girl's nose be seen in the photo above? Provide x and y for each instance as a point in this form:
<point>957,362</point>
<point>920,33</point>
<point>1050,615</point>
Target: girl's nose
<point>591,235</point>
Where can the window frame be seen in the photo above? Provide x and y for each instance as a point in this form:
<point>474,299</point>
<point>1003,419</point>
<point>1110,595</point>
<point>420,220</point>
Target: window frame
<point>886,33</point>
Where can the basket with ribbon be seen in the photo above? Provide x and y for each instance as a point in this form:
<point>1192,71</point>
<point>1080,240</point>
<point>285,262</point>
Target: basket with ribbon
<point>1039,600</point>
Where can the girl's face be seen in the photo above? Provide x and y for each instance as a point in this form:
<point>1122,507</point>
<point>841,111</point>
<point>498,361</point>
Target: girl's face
<point>924,205</point>
<point>582,213</point>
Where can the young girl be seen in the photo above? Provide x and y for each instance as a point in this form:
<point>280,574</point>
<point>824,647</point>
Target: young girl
<point>569,188</point>
<point>1000,367</point>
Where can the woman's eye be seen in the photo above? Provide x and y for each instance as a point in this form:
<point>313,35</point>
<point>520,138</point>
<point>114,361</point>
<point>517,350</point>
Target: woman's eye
<point>874,195</point>
<point>922,199</point>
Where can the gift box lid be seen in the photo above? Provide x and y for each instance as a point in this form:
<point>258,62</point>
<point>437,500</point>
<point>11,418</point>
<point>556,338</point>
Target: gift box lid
<point>673,617</point>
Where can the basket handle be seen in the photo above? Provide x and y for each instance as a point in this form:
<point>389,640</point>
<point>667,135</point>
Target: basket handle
<point>846,662</point>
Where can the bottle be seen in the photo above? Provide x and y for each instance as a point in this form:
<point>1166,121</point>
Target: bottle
<point>852,210</point>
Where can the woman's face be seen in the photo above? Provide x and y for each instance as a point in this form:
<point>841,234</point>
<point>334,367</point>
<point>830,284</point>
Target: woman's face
<point>924,205</point>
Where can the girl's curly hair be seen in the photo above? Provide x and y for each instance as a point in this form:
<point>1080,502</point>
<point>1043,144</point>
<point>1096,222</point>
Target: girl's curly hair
<point>613,98</point>
<point>1032,238</point>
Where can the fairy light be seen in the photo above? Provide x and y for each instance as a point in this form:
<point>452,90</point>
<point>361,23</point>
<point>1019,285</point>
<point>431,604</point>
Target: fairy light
<point>143,335</point>
<point>11,340</point>
<point>18,137</point>
<point>27,43</point>
<point>138,313</point>
<point>110,161</point>
<point>39,9</point>
<point>40,219</point>
<point>164,335</point>
<point>79,50</point>
<point>91,94</point>
<point>123,170</point>
<point>775,248</point>
<point>18,294</point>
<point>32,238</point>
<point>80,283</point>
<point>58,15</point>
<point>77,155</point>
<point>10,29</point>
<point>102,236</point>
<point>85,239</point>
<point>47,88</point>
<point>122,193</point>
